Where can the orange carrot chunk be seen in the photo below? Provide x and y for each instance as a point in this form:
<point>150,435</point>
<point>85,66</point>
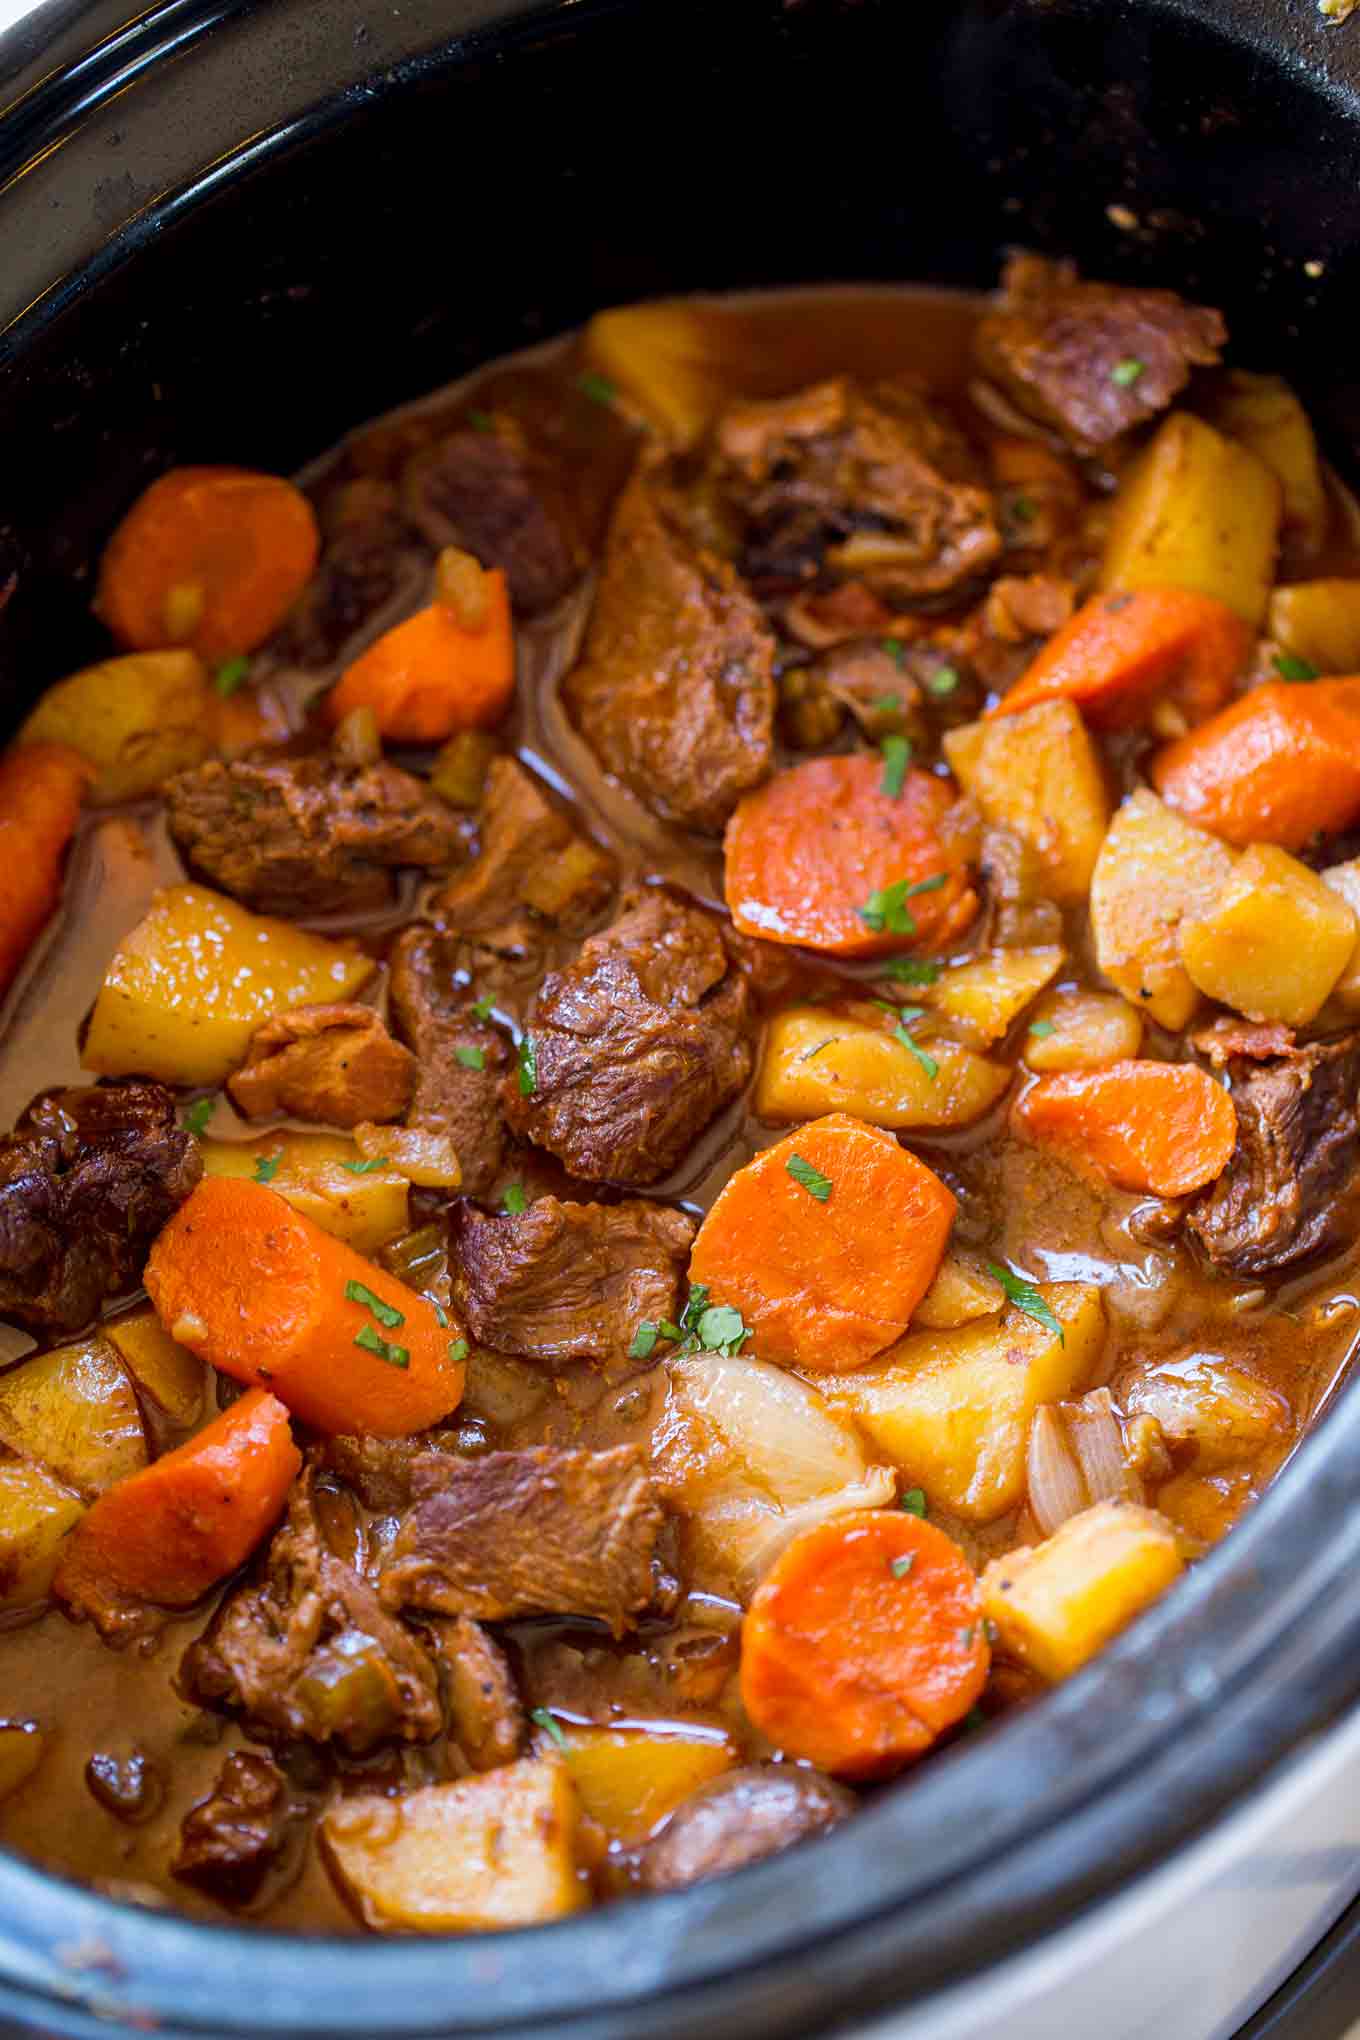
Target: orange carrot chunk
<point>1278,766</point>
<point>210,557</point>
<point>863,1643</point>
<point>1119,649</point>
<point>1166,1128</point>
<point>826,1243</point>
<point>261,1292</point>
<point>172,1531</point>
<point>434,673</point>
<point>827,854</point>
<point>41,786</point>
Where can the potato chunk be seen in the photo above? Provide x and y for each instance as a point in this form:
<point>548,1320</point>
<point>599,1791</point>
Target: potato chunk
<point>983,997</point>
<point>952,1409</point>
<point>136,719</point>
<point>962,1290</point>
<point>21,1747</point>
<point>75,1412</point>
<point>496,1850</point>
<point>816,1061</point>
<point>1058,1603</point>
<point>1196,510</point>
<point>1220,1410</point>
<point>628,1779</point>
<point>313,1171</point>
<point>1039,775</point>
<point>666,359</point>
<point>169,1374</point>
<point>1318,621</point>
<point>1082,1031</point>
<point>36,1512</point>
<point>1262,413</point>
<point>1153,870</point>
<point>187,988</point>
<point>1274,942</point>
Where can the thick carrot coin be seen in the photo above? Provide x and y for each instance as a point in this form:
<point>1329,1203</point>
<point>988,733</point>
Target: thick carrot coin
<point>826,1243</point>
<point>432,675</point>
<point>261,1292</point>
<point>864,1643</point>
<point>1119,649</point>
<point>41,787</point>
<point>210,557</point>
<point>1166,1128</point>
<point>822,855</point>
<point>1280,766</point>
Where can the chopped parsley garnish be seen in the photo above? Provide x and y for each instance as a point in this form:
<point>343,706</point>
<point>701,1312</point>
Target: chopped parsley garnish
<point>372,1342</point>
<point>230,675</point>
<point>544,1720</point>
<point>887,910</point>
<point>910,970</point>
<point>441,1317</point>
<point>721,1329</point>
<point>597,387</point>
<point>514,1200</point>
<point>1022,510</point>
<point>896,649</point>
<point>526,1064</point>
<point>943,680</point>
<point>481,1009</point>
<point>470,1058</point>
<point>887,704</point>
<point>902,1566</point>
<point>644,1339</point>
<point>914,1501</point>
<point>813,1181</point>
<point>669,1330</point>
<point>712,1327</point>
<point>1041,1029</point>
<point>365,1168</point>
<point>973,1719</point>
<point>198,1114</point>
<point>266,1168</point>
<point>908,1041</point>
<point>1026,1297</point>
<point>896,758</point>
<point>357,1292</point>
<point>1126,372</point>
<point>458,1351</point>
<point>1290,668</point>
<point>966,1636</point>
<point>481,421</point>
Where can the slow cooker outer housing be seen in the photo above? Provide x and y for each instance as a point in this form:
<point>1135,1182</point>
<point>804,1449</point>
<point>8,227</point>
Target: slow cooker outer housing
<point>233,230</point>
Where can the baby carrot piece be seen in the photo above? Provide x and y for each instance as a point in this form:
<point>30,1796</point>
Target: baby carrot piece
<point>40,793</point>
<point>1278,766</point>
<point>172,1531</point>
<point>826,1243</point>
<point>863,1643</point>
<point>829,855</point>
<point>1166,1128</point>
<point>261,1292</point>
<point>210,557</point>
<point>435,673</point>
<point>1118,649</point>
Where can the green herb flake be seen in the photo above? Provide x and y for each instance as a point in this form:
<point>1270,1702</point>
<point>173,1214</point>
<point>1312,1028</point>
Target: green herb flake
<point>966,1636</point>
<point>1126,373</point>
<point>527,1066</point>
<point>1026,1297</point>
<point>1022,510</point>
<point>909,970</point>
<point>541,1717</point>
<point>914,1502</point>
<point>365,1168</point>
<point>266,1168</point>
<point>721,1329</point>
<point>900,1567</point>
<point>886,909</point>
<point>482,1009</point>
<point>597,387</point>
<point>230,675</point>
<point>198,1114</point>
<point>441,1317</point>
<point>813,1181</point>
<point>887,704</point>
<point>644,1338</point>
<point>896,758</point>
<point>1041,1029</point>
<point>470,1058</point>
<point>481,421</point>
<point>695,1305</point>
<point>1290,668</point>
<point>973,1720</point>
<point>896,650</point>
<point>670,1331</point>
<point>458,1351</point>
<point>514,1200</point>
<point>358,1292</point>
<point>908,1041</point>
<point>395,1356</point>
<point>942,681</point>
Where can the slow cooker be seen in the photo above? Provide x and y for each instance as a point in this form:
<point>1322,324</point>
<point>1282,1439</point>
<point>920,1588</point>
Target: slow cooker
<point>231,228</point>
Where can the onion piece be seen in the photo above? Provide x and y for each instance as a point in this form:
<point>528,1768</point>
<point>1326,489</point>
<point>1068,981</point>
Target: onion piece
<point>1056,1487</point>
<point>766,1432</point>
<point>1093,1427</point>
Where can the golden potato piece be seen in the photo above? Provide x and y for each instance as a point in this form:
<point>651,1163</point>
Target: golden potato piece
<point>1344,880</point>
<point>981,999</point>
<point>1318,621</point>
<point>1082,1031</point>
<point>815,1061</point>
<point>137,720</point>
<point>1061,1601</point>
<point>1153,870</point>
<point>169,1374</point>
<point>1039,775</point>
<point>961,1291</point>
<point>1274,942</point>
<point>1262,413</point>
<point>36,1512</point>
<point>21,1748</point>
<point>628,1779</point>
<point>314,1171</point>
<point>74,1411</point>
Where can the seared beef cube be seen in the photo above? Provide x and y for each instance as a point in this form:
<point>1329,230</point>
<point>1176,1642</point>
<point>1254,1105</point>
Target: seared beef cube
<point>739,1818</point>
<point>876,485</point>
<point>1292,1188</point>
<point>542,1532</point>
<point>310,1651</point>
<point>372,556</point>
<point>675,690</point>
<point>455,1094</point>
<point>1092,359</point>
<point>336,1064</point>
<point>486,1714</point>
<point>309,835</point>
<point>636,1045</point>
<point>229,1840</point>
<point>478,491</point>
<point>562,1282</point>
<point>530,857</point>
<point>87,1180</point>
<point>377,1469</point>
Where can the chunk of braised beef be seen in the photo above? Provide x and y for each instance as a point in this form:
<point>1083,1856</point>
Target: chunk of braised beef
<point>531,859</point>
<point>1291,1191</point>
<point>372,560</point>
<point>337,1064</point>
<point>229,1841</point>
<point>562,1282</point>
<point>309,835</point>
<point>546,1531</point>
<point>675,689</point>
<point>636,1045</point>
<point>485,1713</point>
<point>87,1179</point>
<point>458,1058</point>
<point>1092,359</point>
<point>484,493</point>
<point>740,1818</point>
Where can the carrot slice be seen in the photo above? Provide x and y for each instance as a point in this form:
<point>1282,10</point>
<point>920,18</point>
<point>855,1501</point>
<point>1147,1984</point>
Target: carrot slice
<point>172,1531</point>
<point>864,1643</point>
<point>821,855</point>
<point>1278,766</point>
<point>432,675</point>
<point>1119,649</point>
<point>261,1292</point>
<point>41,786</point>
<point>826,1243</point>
<point>1167,1128</point>
<point>211,557</point>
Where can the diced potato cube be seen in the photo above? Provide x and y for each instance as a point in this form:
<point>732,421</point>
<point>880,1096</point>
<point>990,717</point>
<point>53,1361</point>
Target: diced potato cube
<point>961,1291</point>
<point>1039,774</point>
<point>1318,621</point>
<point>187,988</point>
<point>579,872</point>
<point>663,357</point>
<point>1275,940</point>
<point>983,997</point>
<point>1344,880</point>
<point>495,1850</point>
<point>500,1388</point>
<point>36,1512</point>
<point>1153,870</point>
<point>1082,1031</point>
<point>952,1410</point>
<point>1196,510</point>
<point>137,720</point>
<point>816,1062</point>
<point>458,774</point>
<point>311,1172</point>
<point>21,1747</point>
<point>1262,413</point>
<point>1222,1411</point>
<point>628,1779</point>
<point>74,1411</point>
<point>166,1372</point>
<point>1059,1602</point>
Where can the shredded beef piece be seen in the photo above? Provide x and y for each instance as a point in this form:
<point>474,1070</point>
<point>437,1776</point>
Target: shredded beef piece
<point>530,857</point>
<point>377,1469</point>
<point>1059,349</point>
<point>675,689</point>
<point>310,1651</point>
<point>1024,606</point>
<point>306,835</point>
<point>372,555</point>
<point>562,1282</point>
<point>542,1532</point>
<point>1292,1188</point>
<point>87,1179</point>
<point>636,1045</point>
<point>433,1016</point>
<point>478,491</point>
<point>336,1064</point>
<point>230,1840</point>
<point>486,1715</point>
<point>739,1818</point>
